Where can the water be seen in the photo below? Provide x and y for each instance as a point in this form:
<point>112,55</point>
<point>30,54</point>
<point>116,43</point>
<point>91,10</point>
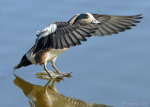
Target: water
<point>112,70</point>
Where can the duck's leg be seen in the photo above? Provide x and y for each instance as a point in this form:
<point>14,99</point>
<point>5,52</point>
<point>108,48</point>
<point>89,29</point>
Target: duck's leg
<point>53,65</point>
<point>52,75</point>
<point>59,73</point>
<point>45,68</point>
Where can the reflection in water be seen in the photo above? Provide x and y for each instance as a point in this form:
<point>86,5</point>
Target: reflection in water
<point>48,96</point>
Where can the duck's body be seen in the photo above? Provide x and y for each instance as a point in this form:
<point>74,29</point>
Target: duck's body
<point>43,56</point>
<point>58,37</point>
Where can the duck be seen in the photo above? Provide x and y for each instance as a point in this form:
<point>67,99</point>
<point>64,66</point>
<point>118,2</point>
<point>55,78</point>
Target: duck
<point>58,37</point>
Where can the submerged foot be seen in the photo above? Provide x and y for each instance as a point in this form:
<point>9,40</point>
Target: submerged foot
<point>65,74</point>
<point>54,75</point>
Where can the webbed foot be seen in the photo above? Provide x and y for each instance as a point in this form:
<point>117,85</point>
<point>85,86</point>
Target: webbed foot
<point>53,75</point>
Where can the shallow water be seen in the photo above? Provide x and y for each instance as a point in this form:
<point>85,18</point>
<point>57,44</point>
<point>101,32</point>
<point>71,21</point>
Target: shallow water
<point>112,70</point>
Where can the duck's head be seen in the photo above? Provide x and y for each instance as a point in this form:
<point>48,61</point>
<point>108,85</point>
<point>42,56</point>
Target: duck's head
<point>85,18</point>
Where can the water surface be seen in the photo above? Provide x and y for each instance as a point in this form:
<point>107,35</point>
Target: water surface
<point>112,70</point>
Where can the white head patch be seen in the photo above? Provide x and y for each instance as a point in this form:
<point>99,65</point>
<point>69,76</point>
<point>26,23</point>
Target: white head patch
<point>93,19</point>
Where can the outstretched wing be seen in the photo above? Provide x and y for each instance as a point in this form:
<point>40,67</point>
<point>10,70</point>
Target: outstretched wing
<point>61,35</point>
<point>111,24</point>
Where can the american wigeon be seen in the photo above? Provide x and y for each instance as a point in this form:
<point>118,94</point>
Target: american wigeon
<point>58,37</point>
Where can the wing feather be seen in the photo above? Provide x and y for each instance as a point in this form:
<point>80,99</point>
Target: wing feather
<point>111,24</point>
<point>61,35</point>
<point>79,35</point>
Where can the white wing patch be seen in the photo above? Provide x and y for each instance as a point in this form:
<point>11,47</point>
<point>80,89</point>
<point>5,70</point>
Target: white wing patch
<point>48,30</point>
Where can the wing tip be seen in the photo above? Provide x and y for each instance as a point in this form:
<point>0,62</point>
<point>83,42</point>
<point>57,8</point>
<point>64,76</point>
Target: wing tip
<point>139,16</point>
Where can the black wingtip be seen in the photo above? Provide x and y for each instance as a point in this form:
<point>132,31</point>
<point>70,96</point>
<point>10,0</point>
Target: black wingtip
<point>136,18</point>
<point>139,16</point>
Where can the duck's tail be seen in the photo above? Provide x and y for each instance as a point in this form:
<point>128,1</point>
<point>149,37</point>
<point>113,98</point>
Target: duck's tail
<point>24,62</point>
